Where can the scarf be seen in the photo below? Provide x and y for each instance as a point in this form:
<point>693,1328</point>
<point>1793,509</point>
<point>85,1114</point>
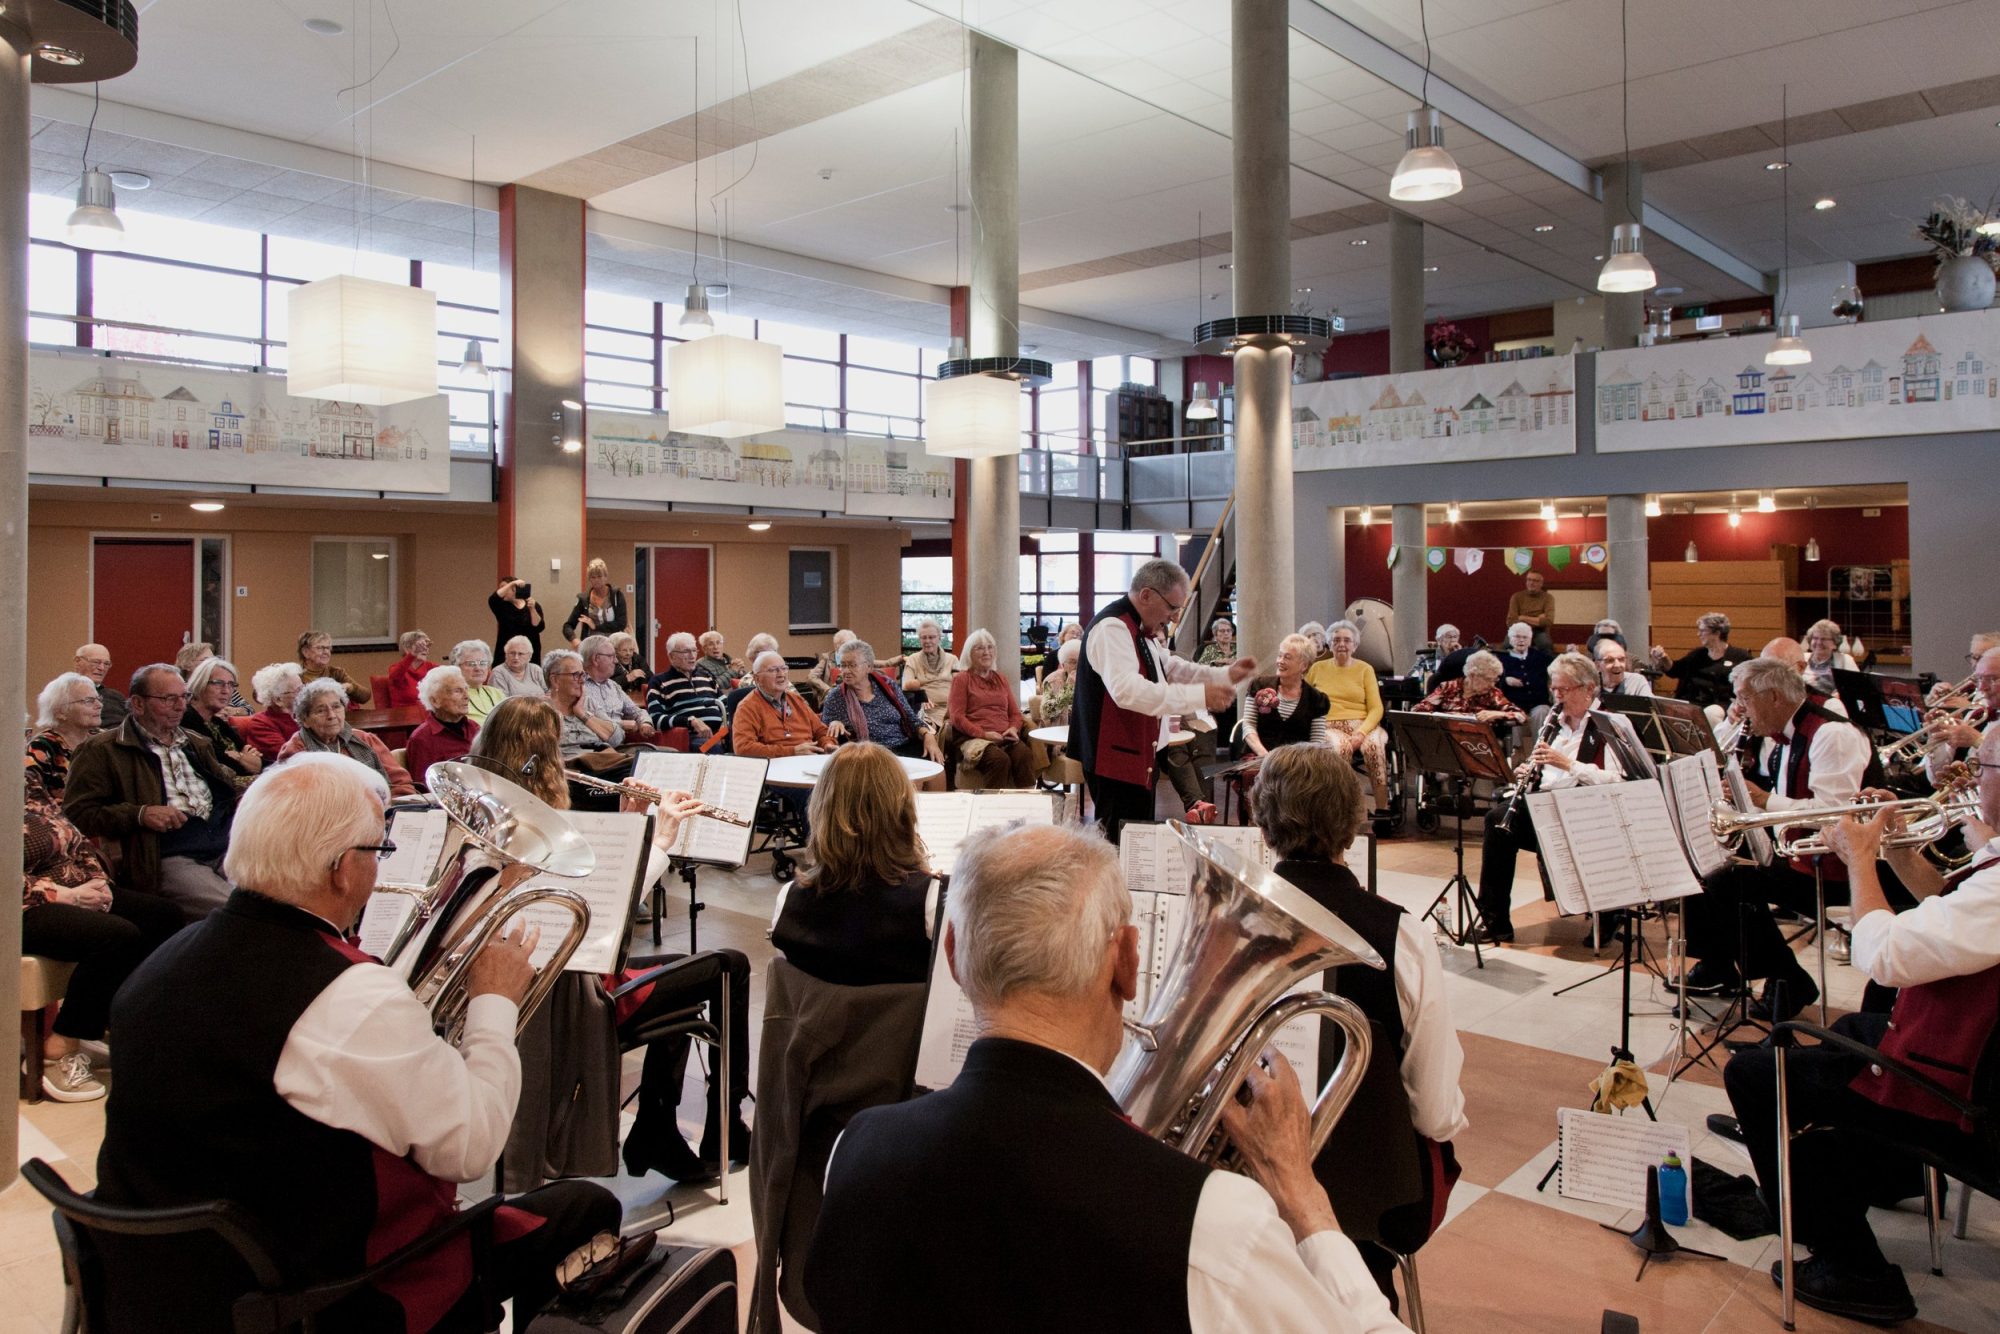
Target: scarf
<point>857,716</point>
<point>349,745</point>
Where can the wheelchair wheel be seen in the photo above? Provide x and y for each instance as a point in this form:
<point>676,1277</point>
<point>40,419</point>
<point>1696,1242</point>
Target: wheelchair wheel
<point>1428,821</point>
<point>781,866</point>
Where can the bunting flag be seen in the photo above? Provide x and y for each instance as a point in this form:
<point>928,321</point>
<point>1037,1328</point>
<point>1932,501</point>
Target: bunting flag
<point>1596,556</point>
<point>1394,551</point>
<point>1558,558</point>
<point>1434,558</point>
<point>1469,559</point>
<point>1520,558</point>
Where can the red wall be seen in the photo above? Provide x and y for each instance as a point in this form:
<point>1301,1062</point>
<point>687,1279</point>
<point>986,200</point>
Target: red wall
<point>1477,603</point>
<point>1368,353</point>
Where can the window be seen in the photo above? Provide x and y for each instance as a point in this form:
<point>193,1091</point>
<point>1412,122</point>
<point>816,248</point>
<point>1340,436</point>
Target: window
<point>926,592</point>
<point>1118,555</point>
<point>1050,583</point>
<point>884,355</point>
<point>812,593</point>
<point>799,341</point>
<point>354,590</point>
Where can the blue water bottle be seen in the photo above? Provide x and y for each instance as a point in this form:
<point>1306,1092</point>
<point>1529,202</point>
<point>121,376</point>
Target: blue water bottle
<point>1673,1191</point>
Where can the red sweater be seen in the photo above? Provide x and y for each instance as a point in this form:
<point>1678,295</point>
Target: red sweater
<point>403,678</point>
<point>982,706</point>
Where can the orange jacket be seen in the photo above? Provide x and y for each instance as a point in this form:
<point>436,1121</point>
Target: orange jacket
<point>762,733</point>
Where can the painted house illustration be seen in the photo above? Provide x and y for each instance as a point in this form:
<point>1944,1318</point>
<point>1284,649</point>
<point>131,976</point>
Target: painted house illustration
<point>1748,400</point>
<point>1874,381</point>
<point>1477,416</point>
<point>1973,377</point>
<point>1921,367</point>
<point>114,409</point>
<point>1512,410</point>
<point>1811,393</point>
<point>767,465</point>
<point>824,467</point>
<point>343,431</point>
<point>178,411</point>
<point>225,429</point>
<point>1618,397</point>
<point>1307,428</point>
<point>1780,387</point>
<point>1711,399</point>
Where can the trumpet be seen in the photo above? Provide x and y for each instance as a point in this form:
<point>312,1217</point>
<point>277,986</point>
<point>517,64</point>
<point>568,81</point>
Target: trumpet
<point>1921,740</point>
<point>1926,820</point>
<point>646,794</point>
<point>1942,693</point>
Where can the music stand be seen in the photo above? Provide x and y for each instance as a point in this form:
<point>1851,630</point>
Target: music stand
<point>1464,750</point>
<point>1886,707</point>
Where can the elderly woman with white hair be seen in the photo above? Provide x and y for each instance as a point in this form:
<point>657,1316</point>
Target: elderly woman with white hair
<point>930,670</point>
<point>825,673</point>
<point>408,671</point>
<point>1058,693</point>
<point>1524,670</point>
<point>321,709</point>
<point>276,688</point>
<point>211,685</point>
<point>992,736</point>
<point>1824,658</point>
<point>450,730</point>
<point>684,695</point>
<point>1701,675</point>
<point>1316,635</point>
<point>631,672</point>
<point>1285,708</point>
<point>67,714</point>
<point>475,663</point>
<point>518,672</point>
<point>1476,693</point>
<point>1354,711</point>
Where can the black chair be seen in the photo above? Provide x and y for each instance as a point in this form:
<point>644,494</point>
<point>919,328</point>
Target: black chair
<point>1976,1170</point>
<point>687,972</point>
<point>278,1303</point>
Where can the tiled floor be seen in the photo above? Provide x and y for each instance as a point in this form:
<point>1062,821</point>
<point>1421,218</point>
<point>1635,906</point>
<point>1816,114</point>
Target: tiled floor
<point>1510,1257</point>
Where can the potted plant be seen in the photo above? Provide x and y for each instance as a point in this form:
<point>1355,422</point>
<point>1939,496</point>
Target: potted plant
<point>1449,345</point>
<point>1966,241</point>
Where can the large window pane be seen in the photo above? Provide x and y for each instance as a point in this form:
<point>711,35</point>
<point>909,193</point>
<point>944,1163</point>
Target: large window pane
<point>812,384</point>
<point>142,292</point>
<point>457,324</point>
<point>309,261</point>
<point>884,354</point>
<point>1058,424</point>
<point>800,341</point>
<point>879,392</point>
<point>462,286</point>
<point>619,311</point>
<point>353,589</point>
<point>618,371</point>
<point>620,344</point>
<point>51,288</point>
<point>198,242</point>
<point>600,393</point>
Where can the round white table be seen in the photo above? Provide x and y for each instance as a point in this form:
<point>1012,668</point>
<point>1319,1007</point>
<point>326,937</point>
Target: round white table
<point>804,770</point>
<point>1050,736</point>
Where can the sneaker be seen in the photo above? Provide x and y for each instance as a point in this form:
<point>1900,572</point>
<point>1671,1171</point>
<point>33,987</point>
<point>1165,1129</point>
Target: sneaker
<point>68,1079</point>
<point>1883,1298</point>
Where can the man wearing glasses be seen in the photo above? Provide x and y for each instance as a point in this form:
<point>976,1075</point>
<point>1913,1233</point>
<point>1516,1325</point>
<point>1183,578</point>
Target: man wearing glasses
<point>602,697</point>
<point>1127,687</point>
<point>162,792</point>
<point>1956,740</point>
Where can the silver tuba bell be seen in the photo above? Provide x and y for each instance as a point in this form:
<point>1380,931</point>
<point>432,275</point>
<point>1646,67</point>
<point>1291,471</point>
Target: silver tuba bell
<point>1250,938</point>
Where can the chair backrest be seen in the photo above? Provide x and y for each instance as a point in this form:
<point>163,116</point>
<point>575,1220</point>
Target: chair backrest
<point>379,686</point>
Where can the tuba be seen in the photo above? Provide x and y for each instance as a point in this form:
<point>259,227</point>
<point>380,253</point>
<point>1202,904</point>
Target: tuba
<point>494,823</point>
<point>1250,939</point>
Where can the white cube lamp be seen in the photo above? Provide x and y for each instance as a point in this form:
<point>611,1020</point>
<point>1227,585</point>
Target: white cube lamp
<point>359,341</point>
<point>726,386</point>
<point>972,417</point>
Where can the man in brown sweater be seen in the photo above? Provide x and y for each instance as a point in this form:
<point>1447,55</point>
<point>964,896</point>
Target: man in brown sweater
<point>1535,607</point>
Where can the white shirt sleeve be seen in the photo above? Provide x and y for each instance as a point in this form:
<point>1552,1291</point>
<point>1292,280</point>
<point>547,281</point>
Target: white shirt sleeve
<point>363,1058</point>
<point>1109,648</point>
<point>1432,1057</point>
<point>1945,935</point>
<point>1245,1272</point>
<point>1836,760</point>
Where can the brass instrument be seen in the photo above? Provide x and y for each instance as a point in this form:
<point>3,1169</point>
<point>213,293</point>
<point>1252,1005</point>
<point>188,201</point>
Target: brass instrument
<point>1941,694</point>
<point>647,794</point>
<point>1909,747</point>
<point>1250,939</point>
<point>1928,819</point>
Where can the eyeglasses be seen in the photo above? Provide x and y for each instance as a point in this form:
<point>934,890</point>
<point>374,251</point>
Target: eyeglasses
<point>226,682</point>
<point>568,671</point>
<point>168,699</point>
<point>381,851</point>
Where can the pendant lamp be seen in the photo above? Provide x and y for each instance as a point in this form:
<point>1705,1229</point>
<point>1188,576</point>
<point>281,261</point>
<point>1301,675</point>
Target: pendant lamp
<point>355,340</point>
<point>95,225</point>
<point>726,386</point>
<point>1626,268</point>
<point>1203,407</point>
<point>696,322</point>
<point>1788,349</point>
<point>972,417</point>
<point>1426,171</point>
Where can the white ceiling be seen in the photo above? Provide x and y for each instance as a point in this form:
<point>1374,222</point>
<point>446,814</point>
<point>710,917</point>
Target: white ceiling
<point>1124,141</point>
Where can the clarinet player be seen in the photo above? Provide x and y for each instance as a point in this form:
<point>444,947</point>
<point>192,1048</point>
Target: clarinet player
<point>1578,744</point>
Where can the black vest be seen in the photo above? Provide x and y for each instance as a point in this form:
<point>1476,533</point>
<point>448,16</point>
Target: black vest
<point>857,937</point>
<point>1018,1199</point>
<point>195,1116</point>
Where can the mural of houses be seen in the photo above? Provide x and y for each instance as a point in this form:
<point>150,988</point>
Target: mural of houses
<point>177,413</point>
<point>1307,429</point>
<point>113,409</point>
<point>1874,382</point>
<point>1618,397</point>
<point>1921,372</point>
<point>343,431</point>
<point>1780,387</point>
<point>1711,399</point>
<point>226,427</point>
<point>1811,392</point>
<point>1653,405</point>
<point>767,465</point>
<point>824,468</point>
<point>1513,411</point>
<point>1551,406</point>
<point>1476,417</point>
<point>1973,377</point>
<point>1748,399</point>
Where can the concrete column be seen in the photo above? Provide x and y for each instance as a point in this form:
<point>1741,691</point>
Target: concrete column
<point>541,529</point>
<point>1336,570</point>
<point>1624,196</point>
<point>992,530</point>
<point>1406,294</point>
<point>1260,90</point>
<point>1628,579</point>
<point>13,510</point>
<point>1409,586</point>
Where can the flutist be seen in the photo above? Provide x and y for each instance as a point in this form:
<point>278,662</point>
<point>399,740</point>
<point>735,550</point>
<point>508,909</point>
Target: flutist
<point>1579,745</point>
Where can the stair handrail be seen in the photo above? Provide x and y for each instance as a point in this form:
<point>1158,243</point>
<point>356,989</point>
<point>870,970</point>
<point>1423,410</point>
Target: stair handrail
<point>1202,566</point>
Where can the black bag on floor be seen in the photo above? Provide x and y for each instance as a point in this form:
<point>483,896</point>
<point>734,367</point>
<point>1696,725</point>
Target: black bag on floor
<point>677,1290</point>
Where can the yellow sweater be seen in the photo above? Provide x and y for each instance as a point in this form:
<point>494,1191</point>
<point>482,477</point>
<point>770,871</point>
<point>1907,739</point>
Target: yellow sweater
<point>1351,688</point>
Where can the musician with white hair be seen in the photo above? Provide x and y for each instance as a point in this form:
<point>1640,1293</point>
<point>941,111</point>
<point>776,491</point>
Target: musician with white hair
<point>962,1210</point>
<point>341,1121</point>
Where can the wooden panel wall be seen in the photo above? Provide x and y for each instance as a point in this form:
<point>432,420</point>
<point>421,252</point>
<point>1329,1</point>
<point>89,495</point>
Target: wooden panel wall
<point>1751,593</point>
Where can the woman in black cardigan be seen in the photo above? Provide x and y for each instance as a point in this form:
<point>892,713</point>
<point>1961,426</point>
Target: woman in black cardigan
<point>1286,708</point>
<point>600,607</point>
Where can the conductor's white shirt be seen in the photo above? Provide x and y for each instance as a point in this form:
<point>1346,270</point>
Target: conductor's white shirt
<point>1180,686</point>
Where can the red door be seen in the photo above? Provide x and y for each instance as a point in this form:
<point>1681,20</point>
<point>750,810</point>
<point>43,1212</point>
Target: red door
<point>142,600</point>
<point>680,597</point>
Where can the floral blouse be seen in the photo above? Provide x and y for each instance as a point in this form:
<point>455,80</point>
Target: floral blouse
<point>1452,697</point>
<point>55,853</point>
<point>1215,655</point>
<point>1058,693</point>
<point>48,757</point>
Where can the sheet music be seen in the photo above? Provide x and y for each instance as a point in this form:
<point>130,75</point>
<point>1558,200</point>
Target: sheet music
<point>1694,785</point>
<point>948,1024</point>
<point>622,843</point>
<point>382,919</point>
<point>419,836</point>
<point>946,819</point>
<point>1155,861</point>
<point>1622,839</point>
<point>1561,868</point>
<point>1606,1158</point>
<point>1757,843</point>
<point>1159,918</point>
<point>733,782</point>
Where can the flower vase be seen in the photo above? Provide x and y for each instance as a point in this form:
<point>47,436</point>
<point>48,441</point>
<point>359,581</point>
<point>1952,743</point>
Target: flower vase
<point>1965,282</point>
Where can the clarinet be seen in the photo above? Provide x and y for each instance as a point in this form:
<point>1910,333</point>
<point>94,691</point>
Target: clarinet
<point>1533,781</point>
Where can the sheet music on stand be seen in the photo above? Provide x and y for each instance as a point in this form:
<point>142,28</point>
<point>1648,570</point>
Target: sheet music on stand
<point>1757,845</point>
<point>1694,786</point>
<point>1606,1159</point>
<point>419,834</point>
<point>623,842</point>
<point>1619,844</point>
<point>948,1030</point>
<point>947,819</point>
<point>734,783</point>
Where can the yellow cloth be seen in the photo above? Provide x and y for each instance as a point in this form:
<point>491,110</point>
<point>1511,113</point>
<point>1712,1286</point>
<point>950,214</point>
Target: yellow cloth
<point>1622,1084</point>
<point>482,700</point>
<point>1351,690</point>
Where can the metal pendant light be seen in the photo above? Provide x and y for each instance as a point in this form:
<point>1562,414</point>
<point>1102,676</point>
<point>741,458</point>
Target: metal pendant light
<point>1426,171</point>
<point>1626,268</point>
<point>1202,408</point>
<point>94,225</point>
<point>1788,349</point>
<point>473,364</point>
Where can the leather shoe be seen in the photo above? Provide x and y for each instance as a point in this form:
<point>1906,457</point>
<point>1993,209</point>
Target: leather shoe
<point>1882,1298</point>
<point>1711,979</point>
<point>1724,1126</point>
<point>1800,991</point>
<point>1492,935</point>
<point>739,1144</point>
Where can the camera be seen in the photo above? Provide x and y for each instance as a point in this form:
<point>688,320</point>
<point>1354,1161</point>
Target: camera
<point>524,590</point>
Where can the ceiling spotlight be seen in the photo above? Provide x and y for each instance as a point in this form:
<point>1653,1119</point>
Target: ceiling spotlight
<point>570,416</point>
<point>58,55</point>
<point>1548,509</point>
<point>1628,269</point>
<point>760,526</point>
<point>1545,226</point>
<point>1822,205</point>
<point>1779,165</point>
<point>205,506</point>
<point>1552,525</point>
<point>1038,534</point>
<point>1767,503</point>
<point>1427,171</point>
<point>1359,241</point>
<point>324,27</point>
<point>1183,538</point>
<point>1451,512</point>
<point>1367,515</point>
<point>1225,266</point>
<point>94,225</point>
<point>1735,516</point>
<point>696,322</point>
<point>1652,507</point>
<point>130,180</point>
<point>1691,555</point>
<point>1302,289</point>
<point>1430,268</point>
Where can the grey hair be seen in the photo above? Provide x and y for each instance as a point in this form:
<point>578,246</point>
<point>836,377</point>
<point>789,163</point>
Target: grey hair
<point>207,667</point>
<point>1580,670</point>
<point>1447,631</point>
<point>1315,632</point>
<point>52,694</point>
<point>191,656</point>
<point>1823,627</point>
<point>1346,625</point>
<point>853,647</point>
<point>269,682</point>
<point>1302,643</point>
<point>1772,674</point>
<point>1160,575</point>
<point>1715,621</point>
<point>623,638</point>
<point>681,639</point>
<point>1607,626</point>
<point>591,645</point>
<point>137,685</point>
<point>556,655</point>
<point>434,682</point>
<point>1307,801</point>
<point>1609,645</point>
<point>407,640</point>
<point>928,621</point>
<point>1520,625</point>
<point>1483,663</point>
<point>300,818</point>
<point>523,641</point>
<point>706,635</point>
<point>974,640</point>
<point>325,685</point>
<point>472,650</point>
<point>1032,909</point>
<point>761,642</point>
<point>757,663</point>
<point>1071,650</point>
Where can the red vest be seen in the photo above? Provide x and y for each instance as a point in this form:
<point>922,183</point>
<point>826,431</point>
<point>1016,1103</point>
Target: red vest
<point>1107,740</point>
<point>1797,778</point>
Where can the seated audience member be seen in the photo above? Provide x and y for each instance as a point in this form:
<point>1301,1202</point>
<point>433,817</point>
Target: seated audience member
<point>518,673</point>
<point>1701,675</point>
<point>1603,630</point>
<point>860,911</point>
<point>1589,746</point>
<point>1524,672</point>
<point>1058,692</point>
<point>605,698</point>
<point>988,732</point>
<point>1354,710</point>
<point>211,686</point>
<point>909,1237</point>
<point>1448,640</point>
<point>866,705</point>
<point>1535,607</point>
<point>826,671</point>
<point>94,661</point>
<point>192,656</point>
<point>449,731</point>
<point>1308,803</point>
<point>1614,671</point>
<point>66,715</point>
<point>773,719</point>
<point>1451,665</point>
<point>523,738</point>
<point>930,670</point>
<point>583,732</point>
<point>1316,635</point>
<point>1074,630</point>
<point>683,695</point>
<point>715,661</point>
<point>1941,955</point>
<point>1477,693</point>
<point>1824,658</point>
<point>1445,641</point>
<point>162,792</point>
<point>516,614</point>
<point>322,713</point>
<point>1285,708</point>
<point>334,1075</point>
<point>475,663</point>
<point>1219,649</point>
<point>316,661</point>
<point>408,671</point>
<point>276,688</point>
<point>71,912</point>
<point>599,610</point>
<point>631,673</point>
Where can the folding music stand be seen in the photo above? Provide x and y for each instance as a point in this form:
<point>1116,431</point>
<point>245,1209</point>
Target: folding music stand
<point>1463,750</point>
<point>1886,707</point>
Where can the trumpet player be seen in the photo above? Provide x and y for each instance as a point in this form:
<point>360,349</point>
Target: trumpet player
<point>1956,736</point>
<point>340,1120</point>
<point>1585,746</point>
<point>1944,955</point>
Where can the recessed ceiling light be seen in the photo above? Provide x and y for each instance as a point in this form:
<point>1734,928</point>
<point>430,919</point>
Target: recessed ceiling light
<point>1362,240</point>
<point>1779,165</point>
<point>324,27</point>
<point>1430,268</point>
<point>716,289</point>
<point>205,506</point>
<point>1822,205</point>
<point>58,55</point>
<point>1545,226</point>
<point>760,527</point>
<point>130,180</point>
<point>1598,258</point>
<point>1302,289</point>
<point>1225,266</point>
